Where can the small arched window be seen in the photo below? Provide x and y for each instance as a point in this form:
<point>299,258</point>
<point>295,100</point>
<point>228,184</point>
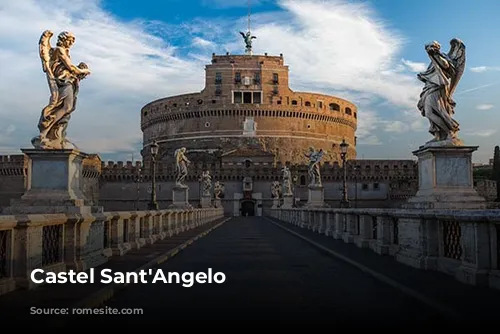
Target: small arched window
<point>348,111</point>
<point>303,180</point>
<point>334,107</point>
<point>294,102</point>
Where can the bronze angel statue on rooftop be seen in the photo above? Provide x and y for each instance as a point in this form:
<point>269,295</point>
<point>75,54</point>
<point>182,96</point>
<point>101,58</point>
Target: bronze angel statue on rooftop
<point>63,79</point>
<point>248,39</point>
<point>441,79</point>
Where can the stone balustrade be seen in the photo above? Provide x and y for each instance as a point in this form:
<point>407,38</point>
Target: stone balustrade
<point>60,242</point>
<point>462,243</point>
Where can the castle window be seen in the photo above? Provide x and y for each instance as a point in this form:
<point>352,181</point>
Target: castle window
<point>376,186</point>
<point>218,78</point>
<point>257,97</point>
<point>334,107</point>
<point>278,102</point>
<point>355,115</point>
<point>218,91</point>
<point>348,111</point>
<point>320,104</point>
<point>303,180</point>
<point>275,78</point>
<point>364,186</point>
<point>207,124</point>
<point>308,104</point>
<point>237,97</point>
<point>256,79</point>
<point>237,77</point>
<point>294,102</point>
<point>247,97</point>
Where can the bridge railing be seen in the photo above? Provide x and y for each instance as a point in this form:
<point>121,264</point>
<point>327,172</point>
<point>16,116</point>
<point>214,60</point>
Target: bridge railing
<point>462,243</point>
<point>59,242</point>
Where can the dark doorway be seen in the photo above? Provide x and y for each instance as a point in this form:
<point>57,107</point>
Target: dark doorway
<point>248,208</point>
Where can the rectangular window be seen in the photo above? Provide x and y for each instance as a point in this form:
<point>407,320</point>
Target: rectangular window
<point>256,79</point>
<point>320,104</point>
<point>275,78</point>
<point>237,77</point>
<point>218,78</point>
<point>247,97</point>
<point>257,97</point>
<point>364,186</point>
<point>376,186</point>
<point>237,97</point>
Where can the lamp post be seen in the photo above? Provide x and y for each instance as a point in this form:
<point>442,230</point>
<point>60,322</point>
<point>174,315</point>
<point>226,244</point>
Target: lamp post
<point>356,171</point>
<point>294,182</point>
<point>344,203</point>
<point>138,180</point>
<point>153,205</point>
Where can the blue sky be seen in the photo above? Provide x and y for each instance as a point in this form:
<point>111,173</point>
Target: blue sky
<point>143,50</point>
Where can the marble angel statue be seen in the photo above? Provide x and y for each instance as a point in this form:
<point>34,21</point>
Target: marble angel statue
<point>287,181</point>
<point>440,81</point>
<point>218,190</point>
<point>181,164</point>
<point>314,166</point>
<point>207,182</point>
<point>63,79</point>
<point>275,189</point>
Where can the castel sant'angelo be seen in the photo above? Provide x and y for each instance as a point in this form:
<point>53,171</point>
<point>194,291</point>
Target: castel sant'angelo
<point>243,127</point>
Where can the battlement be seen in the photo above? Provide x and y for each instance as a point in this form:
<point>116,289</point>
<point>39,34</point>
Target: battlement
<point>17,165</point>
<point>118,171</point>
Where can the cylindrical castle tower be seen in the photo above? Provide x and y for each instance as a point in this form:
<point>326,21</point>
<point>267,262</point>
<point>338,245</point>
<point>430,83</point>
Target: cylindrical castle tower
<point>247,102</point>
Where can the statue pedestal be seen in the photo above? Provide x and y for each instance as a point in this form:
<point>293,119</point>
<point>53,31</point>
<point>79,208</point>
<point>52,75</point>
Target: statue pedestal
<point>217,203</point>
<point>287,202</point>
<point>445,179</point>
<point>206,201</point>
<point>316,197</point>
<point>180,198</point>
<point>54,184</point>
<point>276,203</point>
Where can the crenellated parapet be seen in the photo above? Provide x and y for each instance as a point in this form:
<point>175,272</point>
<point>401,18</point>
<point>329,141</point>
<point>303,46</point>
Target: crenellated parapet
<point>17,165</point>
<point>360,170</point>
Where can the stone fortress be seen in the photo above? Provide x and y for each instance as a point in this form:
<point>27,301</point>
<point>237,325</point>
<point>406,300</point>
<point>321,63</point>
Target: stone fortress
<point>243,127</point>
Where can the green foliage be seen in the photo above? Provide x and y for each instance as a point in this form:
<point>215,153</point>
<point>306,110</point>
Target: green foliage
<point>496,164</point>
<point>483,174</point>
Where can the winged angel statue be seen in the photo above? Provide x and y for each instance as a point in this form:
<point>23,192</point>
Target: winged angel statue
<point>64,79</point>
<point>441,79</point>
<point>248,39</point>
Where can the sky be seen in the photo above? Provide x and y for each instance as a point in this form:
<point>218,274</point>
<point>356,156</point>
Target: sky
<point>366,51</point>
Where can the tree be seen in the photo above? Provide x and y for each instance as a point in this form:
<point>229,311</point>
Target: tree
<point>496,170</point>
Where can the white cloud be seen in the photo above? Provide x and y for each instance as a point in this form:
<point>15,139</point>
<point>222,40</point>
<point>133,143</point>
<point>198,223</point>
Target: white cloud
<point>203,43</point>
<point>370,141</point>
<point>484,107</point>
<point>481,133</point>
<point>480,69</point>
<point>395,126</point>
<point>413,66</point>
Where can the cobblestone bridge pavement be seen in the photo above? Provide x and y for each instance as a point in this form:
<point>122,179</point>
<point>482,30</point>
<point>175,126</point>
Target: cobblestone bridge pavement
<point>274,277</point>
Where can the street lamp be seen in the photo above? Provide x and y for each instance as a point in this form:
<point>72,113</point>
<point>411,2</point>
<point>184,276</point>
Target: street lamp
<point>294,182</point>
<point>153,205</point>
<point>356,175</point>
<point>344,203</point>
<point>138,181</point>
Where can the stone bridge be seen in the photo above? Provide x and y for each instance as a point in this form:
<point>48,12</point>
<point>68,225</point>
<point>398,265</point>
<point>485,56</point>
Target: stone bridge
<point>360,268</point>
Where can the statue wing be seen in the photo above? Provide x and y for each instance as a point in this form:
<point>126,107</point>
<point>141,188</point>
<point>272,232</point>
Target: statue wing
<point>45,50</point>
<point>242,34</point>
<point>253,37</point>
<point>457,57</point>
